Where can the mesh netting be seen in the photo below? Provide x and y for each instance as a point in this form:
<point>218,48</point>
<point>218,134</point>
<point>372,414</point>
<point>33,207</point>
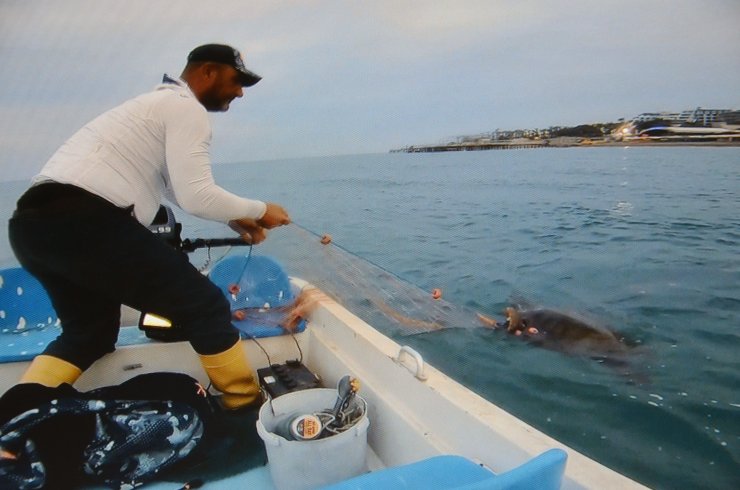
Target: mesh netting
<point>376,295</point>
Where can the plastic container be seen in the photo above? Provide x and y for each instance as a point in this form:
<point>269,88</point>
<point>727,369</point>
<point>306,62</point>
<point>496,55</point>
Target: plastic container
<point>305,465</point>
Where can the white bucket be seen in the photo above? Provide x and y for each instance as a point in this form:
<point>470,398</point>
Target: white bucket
<point>304,465</point>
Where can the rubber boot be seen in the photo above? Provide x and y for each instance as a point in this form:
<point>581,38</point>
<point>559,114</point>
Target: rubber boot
<point>50,371</point>
<point>231,374</point>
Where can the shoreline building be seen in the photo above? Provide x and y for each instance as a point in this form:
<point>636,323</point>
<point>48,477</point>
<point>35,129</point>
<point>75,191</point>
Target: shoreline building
<point>704,117</point>
<point>730,119</point>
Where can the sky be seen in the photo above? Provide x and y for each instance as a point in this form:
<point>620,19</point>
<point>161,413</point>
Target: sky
<point>350,77</point>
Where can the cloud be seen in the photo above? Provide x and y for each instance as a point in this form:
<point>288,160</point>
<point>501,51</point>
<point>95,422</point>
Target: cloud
<point>344,77</point>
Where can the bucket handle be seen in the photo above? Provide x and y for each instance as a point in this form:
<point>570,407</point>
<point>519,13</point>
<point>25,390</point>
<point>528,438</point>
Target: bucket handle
<point>267,437</point>
<point>420,373</point>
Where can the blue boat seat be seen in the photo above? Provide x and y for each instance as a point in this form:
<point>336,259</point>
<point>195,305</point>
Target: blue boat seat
<point>262,288</point>
<point>28,321</point>
<point>543,472</point>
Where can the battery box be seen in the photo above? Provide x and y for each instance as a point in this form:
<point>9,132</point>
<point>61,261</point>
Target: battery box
<point>279,379</point>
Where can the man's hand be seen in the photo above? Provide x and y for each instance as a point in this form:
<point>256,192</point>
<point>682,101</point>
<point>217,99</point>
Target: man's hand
<point>275,216</point>
<point>255,231</point>
<point>249,230</point>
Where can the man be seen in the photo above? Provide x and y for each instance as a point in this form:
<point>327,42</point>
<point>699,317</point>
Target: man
<point>81,227</point>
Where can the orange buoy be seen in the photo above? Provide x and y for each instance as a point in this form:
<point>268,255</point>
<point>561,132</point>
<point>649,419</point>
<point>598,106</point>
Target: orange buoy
<point>239,315</point>
<point>234,288</point>
<point>325,239</point>
<point>436,293</point>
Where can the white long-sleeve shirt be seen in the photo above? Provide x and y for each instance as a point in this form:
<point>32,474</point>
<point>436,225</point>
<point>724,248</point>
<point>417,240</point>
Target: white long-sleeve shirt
<point>151,146</point>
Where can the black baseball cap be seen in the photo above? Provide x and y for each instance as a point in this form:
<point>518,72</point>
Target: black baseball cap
<point>221,53</point>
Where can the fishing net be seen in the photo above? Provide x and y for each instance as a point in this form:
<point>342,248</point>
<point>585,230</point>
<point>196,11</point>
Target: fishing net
<point>381,298</point>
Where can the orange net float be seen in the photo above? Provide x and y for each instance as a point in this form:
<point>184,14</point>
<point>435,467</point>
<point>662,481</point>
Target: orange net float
<point>234,288</point>
<point>239,315</point>
<point>436,293</point>
<point>325,239</point>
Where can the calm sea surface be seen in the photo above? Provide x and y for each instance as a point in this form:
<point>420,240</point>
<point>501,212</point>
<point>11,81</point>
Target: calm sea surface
<point>647,240</point>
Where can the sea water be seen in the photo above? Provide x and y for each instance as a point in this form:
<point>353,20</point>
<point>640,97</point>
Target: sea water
<point>644,239</point>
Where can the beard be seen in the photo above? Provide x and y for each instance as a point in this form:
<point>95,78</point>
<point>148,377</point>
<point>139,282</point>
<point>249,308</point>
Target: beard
<point>215,102</point>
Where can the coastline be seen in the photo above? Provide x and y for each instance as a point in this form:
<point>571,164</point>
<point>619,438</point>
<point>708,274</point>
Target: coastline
<point>638,142</point>
<point>563,143</point>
